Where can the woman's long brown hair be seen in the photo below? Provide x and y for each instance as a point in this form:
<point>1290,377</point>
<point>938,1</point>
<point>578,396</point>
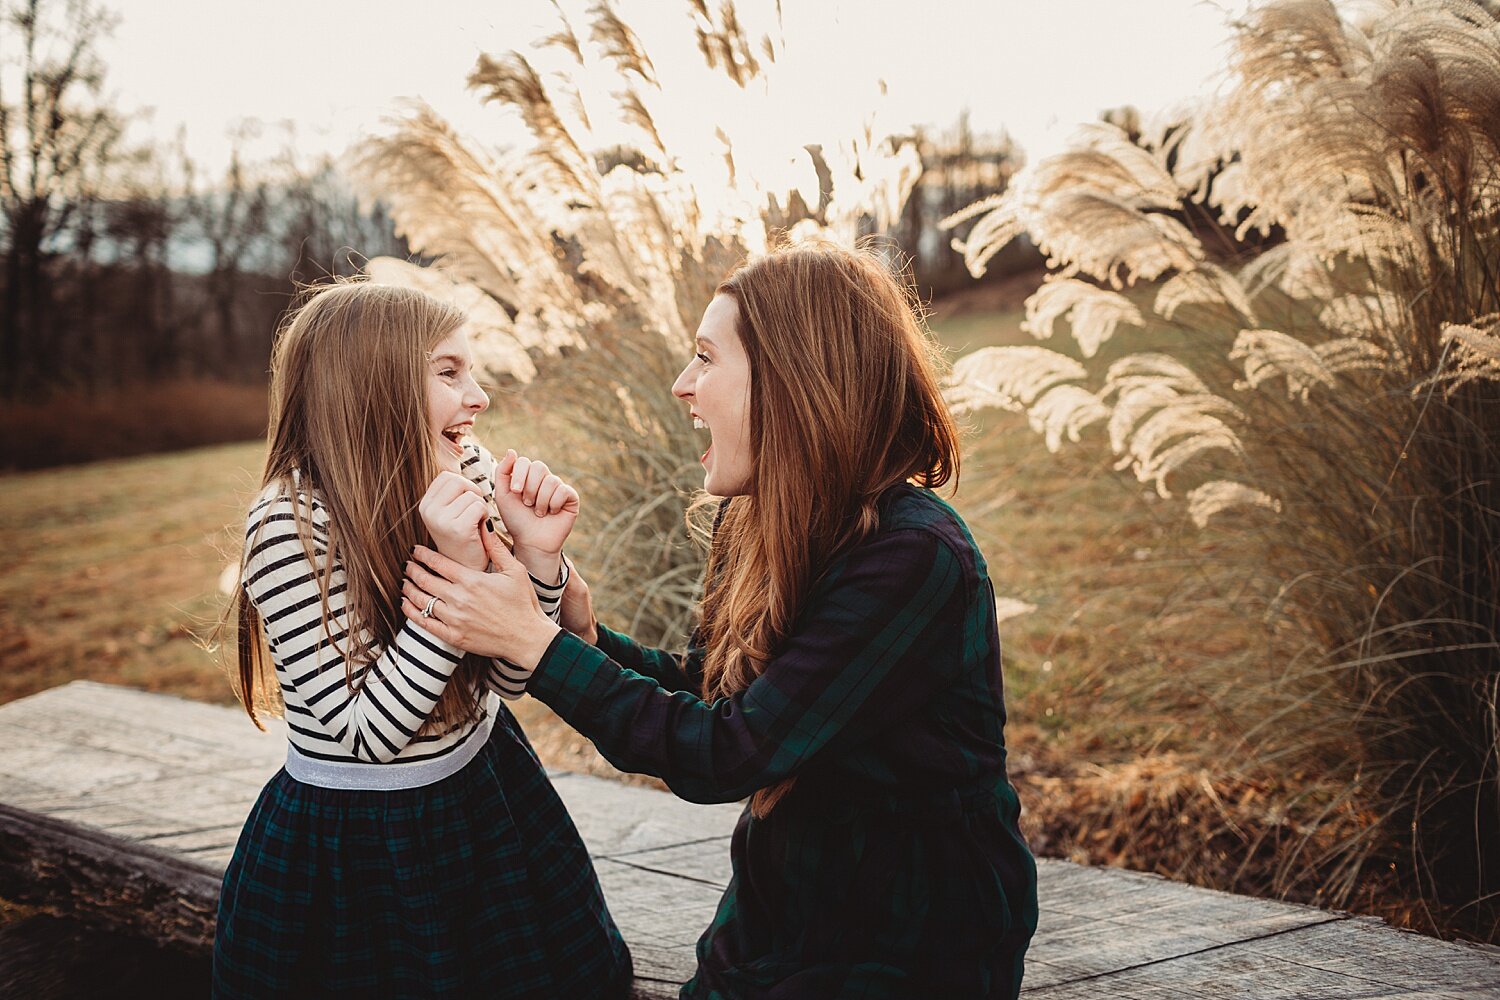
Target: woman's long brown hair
<point>349,414</point>
<point>844,404</point>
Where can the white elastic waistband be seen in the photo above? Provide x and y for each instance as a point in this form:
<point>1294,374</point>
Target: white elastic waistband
<point>360,776</point>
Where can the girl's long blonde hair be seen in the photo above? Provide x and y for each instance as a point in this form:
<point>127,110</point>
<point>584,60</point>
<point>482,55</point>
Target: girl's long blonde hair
<point>348,422</point>
<point>844,404</point>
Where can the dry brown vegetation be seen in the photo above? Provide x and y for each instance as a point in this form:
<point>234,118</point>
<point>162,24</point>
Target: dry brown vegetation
<point>1328,406</point>
<point>73,426</point>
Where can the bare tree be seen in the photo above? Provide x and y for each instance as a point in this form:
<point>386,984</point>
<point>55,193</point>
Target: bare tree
<point>232,219</point>
<point>322,225</point>
<point>54,133</point>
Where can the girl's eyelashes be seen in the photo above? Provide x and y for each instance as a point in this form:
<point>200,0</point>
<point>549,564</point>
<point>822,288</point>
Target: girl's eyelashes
<point>701,357</point>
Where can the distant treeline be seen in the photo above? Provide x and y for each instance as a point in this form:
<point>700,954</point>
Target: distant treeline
<point>959,168</point>
<point>123,265</point>
<point>166,284</point>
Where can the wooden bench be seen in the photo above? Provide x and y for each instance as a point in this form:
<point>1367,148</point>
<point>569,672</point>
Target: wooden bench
<point>123,807</point>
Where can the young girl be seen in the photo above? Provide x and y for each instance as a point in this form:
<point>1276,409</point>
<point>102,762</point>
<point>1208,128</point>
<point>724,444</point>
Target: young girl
<point>412,846</point>
<point>846,673</point>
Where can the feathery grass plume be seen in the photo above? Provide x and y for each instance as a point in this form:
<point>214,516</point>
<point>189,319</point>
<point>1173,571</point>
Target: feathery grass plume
<point>601,238</point>
<point>1477,354</point>
<point>1094,312</point>
<point>1205,285</point>
<point>1220,495</point>
<point>1334,385</point>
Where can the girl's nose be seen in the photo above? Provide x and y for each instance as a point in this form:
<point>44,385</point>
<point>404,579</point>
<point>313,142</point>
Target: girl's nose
<point>478,400</point>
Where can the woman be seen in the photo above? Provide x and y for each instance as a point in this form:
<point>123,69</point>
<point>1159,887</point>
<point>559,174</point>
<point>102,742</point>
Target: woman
<point>846,672</point>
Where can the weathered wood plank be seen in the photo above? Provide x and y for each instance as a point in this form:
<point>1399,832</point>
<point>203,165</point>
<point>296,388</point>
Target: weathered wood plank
<point>704,861</point>
<point>1095,920</point>
<point>104,714</point>
<point>661,916</point>
<point>125,886</point>
<point>1346,959</point>
<point>109,776</point>
<point>615,818</point>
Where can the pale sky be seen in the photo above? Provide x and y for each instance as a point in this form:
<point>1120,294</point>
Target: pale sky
<point>1033,67</point>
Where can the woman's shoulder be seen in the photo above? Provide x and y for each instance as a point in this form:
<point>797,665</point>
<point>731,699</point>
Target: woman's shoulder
<point>908,508</point>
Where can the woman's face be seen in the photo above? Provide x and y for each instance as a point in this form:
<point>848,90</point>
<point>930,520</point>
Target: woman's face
<point>716,387</point>
<point>454,399</point>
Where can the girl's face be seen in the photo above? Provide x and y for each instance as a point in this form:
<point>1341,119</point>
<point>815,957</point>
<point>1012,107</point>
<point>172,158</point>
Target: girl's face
<point>454,399</point>
<point>716,387</point>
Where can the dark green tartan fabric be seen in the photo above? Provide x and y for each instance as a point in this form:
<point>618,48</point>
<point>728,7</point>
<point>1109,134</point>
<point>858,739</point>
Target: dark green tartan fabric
<point>476,885</point>
<point>895,868</point>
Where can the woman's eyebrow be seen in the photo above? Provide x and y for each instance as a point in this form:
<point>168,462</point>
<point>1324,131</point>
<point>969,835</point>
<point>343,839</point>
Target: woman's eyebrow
<point>452,359</point>
<point>705,341</point>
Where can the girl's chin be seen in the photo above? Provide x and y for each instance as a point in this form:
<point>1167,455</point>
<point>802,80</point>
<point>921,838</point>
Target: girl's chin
<point>449,453</point>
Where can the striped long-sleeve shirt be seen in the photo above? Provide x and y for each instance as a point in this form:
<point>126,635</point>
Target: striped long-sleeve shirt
<point>378,718</point>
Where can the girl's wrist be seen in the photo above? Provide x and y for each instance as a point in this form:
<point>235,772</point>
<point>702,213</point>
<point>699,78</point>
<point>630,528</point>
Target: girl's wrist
<point>543,565</point>
<point>470,556</point>
<point>590,635</point>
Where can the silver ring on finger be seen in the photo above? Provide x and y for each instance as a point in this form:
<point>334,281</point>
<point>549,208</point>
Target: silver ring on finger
<point>427,611</point>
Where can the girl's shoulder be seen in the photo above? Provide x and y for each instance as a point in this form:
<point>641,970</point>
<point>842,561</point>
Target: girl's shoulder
<point>273,510</point>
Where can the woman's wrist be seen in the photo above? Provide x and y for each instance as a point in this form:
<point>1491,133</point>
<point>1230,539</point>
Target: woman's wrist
<point>534,641</point>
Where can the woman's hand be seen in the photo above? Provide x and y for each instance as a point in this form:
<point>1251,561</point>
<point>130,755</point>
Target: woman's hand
<point>453,509</point>
<point>539,510</point>
<point>492,614</point>
<point>577,610</point>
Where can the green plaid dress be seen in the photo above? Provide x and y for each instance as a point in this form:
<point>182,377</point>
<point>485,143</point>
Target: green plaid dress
<point>895,867</point>
<point>477,885</point>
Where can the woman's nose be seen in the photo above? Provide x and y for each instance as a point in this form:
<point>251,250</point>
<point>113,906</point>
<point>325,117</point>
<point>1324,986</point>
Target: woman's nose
<point>683,387</point>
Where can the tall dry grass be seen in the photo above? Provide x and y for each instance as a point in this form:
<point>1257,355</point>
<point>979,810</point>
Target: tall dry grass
<point>587,255</point>
<point>1333,412</point>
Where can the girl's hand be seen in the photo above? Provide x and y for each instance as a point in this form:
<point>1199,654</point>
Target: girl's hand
<point>454,511</point>
<point>539,510</point>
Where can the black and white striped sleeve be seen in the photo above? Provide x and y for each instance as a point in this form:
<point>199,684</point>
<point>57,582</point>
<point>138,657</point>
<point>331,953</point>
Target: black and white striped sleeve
<point>505,678</point>
<point>399,687</point>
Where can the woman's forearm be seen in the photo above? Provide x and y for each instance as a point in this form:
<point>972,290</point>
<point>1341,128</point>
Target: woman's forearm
<point>869,651</point>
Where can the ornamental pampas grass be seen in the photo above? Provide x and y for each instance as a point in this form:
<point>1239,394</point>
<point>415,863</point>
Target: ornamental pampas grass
<point>1335,401</point>
<point>601,238</point>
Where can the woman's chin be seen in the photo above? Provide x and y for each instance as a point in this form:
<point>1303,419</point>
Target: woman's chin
<point>716,487</point>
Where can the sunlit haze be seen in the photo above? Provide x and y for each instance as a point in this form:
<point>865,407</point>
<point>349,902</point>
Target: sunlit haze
<point>335,71</point>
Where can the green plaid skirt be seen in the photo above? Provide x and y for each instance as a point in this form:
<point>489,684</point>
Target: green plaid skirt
<point>475,885</point>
